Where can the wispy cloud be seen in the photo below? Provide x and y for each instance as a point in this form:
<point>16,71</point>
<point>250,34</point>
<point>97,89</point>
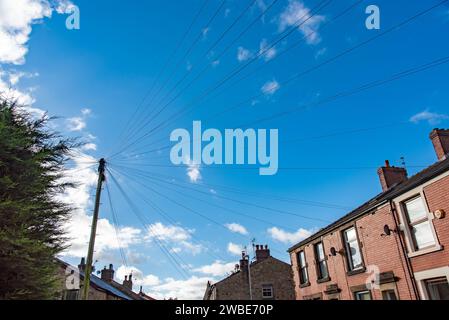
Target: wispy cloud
<point>193,171</point>
<point>243,54</point>
<point>235,249</point>
<point>237,228</point>
<point>216,269</point>
<point>177,236</point>
<point>288,237</point>
<point>295,13</point>
<point>266,51</point>
<point>16,20</point>
<point>431,117</point>
<point>270,87</point>
<point>78,123</point>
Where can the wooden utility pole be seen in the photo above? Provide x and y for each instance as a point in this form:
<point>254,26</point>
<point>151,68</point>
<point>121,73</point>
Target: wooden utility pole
<point>93,231</point>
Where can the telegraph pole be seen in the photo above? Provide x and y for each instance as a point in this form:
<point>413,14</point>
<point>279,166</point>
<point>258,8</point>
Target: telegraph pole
<point>93,231</point>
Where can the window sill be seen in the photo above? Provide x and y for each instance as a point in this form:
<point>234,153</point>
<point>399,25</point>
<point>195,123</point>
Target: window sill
<point>425,251</point>
<point>305,285</point>
<point>354,272</point>
<point>323,280</point>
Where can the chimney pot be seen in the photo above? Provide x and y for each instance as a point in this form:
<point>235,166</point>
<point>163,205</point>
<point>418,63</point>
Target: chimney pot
<point>387,163</point>
<point>440,141</point>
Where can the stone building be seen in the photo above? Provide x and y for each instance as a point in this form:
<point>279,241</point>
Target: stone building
<point>267,278</point>
<point>394,246</point>
<point>101,288</point>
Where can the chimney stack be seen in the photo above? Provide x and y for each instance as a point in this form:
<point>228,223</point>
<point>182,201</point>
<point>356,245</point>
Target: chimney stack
<point>128,283</point>
<point>244,263</point>
<point>391,176</point>
<point>107,274</point>
<point>82,265</point>
<point>262,252</point>
<point>440,140</point>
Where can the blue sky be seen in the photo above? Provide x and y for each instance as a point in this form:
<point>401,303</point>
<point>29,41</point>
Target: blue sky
<point>94,78</point>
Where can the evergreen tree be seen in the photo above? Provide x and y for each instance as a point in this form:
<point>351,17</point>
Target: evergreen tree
<point>32,159</point>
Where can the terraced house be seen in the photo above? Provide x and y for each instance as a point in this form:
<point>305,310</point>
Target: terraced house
<point>394,246</point>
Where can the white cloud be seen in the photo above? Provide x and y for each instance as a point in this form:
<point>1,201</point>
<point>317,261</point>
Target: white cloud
<point>139,278</point>
<point>193,171</point>
<point>76,124</point>
<point>266,51</point>
<point>178,237</point>
<point>289,237</point>
<point>270,87</point>
<point>243,54</point>
<point>78,226</point>
<point>79,123</point>
<point>215,63</point>
<point>237,228</point>
<point>89,147</point>
<point>9,81</point>
<point>216,269</point>
<point>295,13</point>
<point>320,53</point>
<point>16,20</point>
<point>431,117</point>
<point>235,249</point>
<point>190,289</point>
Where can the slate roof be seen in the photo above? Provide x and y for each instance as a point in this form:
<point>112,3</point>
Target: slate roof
<point>421,177</point>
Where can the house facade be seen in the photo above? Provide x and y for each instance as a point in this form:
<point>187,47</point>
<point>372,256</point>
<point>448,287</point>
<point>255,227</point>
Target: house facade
<point>267,278</point>
<point>395,246</point>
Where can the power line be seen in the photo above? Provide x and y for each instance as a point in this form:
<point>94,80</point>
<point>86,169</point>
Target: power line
<point>363,43</point>
<point>298,23</point>
<point>242,192</point>
<point>249,203</point>
<point>116,226</point>
<point>161,245</point>
<point>163,69</point>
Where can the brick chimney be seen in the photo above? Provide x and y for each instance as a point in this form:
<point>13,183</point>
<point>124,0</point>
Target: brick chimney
<point>244,263</point>
<point>107,274</point>
<point>440,140</point>
<point>82,265</point>
<point>262,252</point>
<point>391,176</point>
<point>128,283</point>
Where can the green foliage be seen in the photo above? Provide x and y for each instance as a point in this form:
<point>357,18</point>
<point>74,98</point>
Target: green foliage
<point>32,160</point>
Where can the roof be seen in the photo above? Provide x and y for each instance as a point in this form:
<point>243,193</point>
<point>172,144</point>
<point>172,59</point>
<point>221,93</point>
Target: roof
<point>113,288</point>
<point>421,177</point>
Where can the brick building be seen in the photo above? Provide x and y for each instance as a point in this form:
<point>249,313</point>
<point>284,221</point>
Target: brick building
<point>270,278</point>
<point>101,288</point>
<point>395,246</point>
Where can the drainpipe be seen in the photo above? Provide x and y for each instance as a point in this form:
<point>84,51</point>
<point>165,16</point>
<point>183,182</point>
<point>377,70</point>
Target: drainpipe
<point>404,250</point>
<point>249,279</point>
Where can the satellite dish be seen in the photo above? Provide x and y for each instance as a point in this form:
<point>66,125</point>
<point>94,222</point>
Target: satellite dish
<point>333,251</point>
<point>387,230</point>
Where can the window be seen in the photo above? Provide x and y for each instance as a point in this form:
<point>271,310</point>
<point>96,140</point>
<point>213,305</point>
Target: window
<point>267,291</point>
<point>71,295</point>
<point>302,268</point>
<point>419,224</point>
<point>352,249</point>
<point>320,259</point>
<point>362,295</point>
<point>389,295</point>
<point>437,289</point>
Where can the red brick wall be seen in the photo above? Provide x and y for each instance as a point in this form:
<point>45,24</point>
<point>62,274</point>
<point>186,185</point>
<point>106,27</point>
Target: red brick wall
<point>380,252</point>
<point>437,197</point>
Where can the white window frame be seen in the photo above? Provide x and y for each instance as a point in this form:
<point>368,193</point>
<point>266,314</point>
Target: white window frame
<point>422,276</point>
<point>404,222</point>
<point>264,286</point>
